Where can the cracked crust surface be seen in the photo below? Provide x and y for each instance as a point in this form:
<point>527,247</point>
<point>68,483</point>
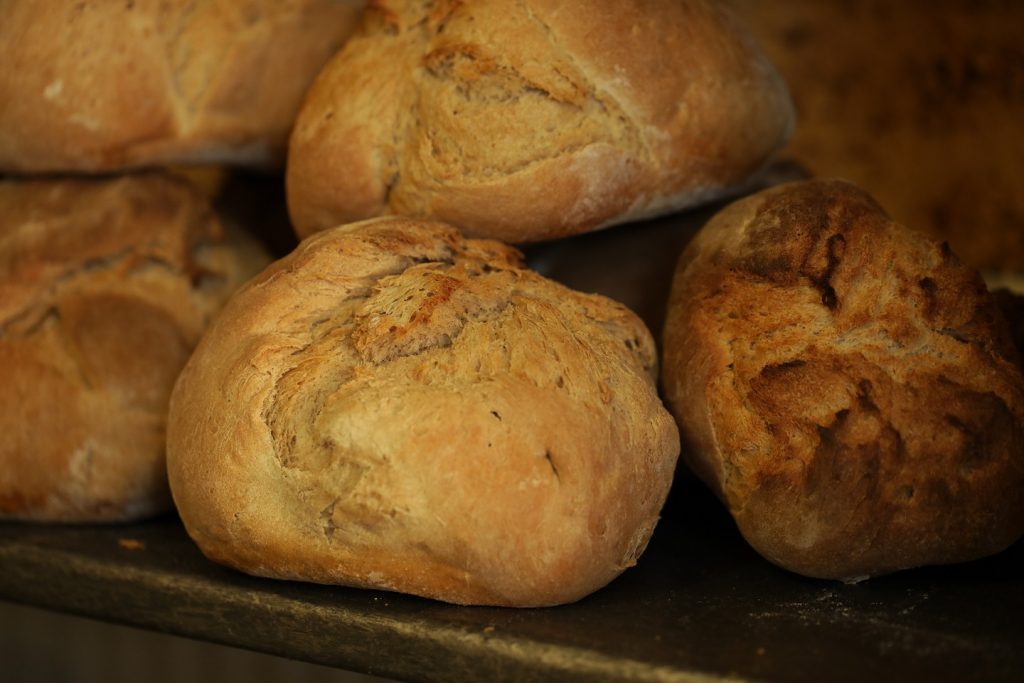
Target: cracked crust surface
<point>531,119</point>
<point>99,86</point>
<point>394,406</point>
<point>105,287</point>
<point>846,386</point>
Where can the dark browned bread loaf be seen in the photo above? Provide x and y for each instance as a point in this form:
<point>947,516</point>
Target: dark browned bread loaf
<point>845,385</point>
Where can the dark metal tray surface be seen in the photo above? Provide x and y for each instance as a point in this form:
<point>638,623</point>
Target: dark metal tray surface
<point>700,606</point>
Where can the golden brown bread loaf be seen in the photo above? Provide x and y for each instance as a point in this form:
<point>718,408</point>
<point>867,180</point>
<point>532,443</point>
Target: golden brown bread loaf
<point>532,120</point>
<point>98,86</point>
<point>846,386</point>
<point>919,102</point>
<point>105,287</point>
<point>393,406</point>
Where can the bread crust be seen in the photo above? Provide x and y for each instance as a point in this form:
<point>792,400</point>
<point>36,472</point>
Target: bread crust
<point>101,86</point>
<point>846,386</point>
<point>393,406</point>
<point>530,120</point>
<point>105,287</point>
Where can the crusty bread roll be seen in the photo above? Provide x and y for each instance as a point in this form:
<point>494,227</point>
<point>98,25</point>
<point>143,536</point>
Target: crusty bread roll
<point>105,287</point>
<point>393,406</point>
<point>528,121</point>
<point>98,86</point>
<point>846,386</point>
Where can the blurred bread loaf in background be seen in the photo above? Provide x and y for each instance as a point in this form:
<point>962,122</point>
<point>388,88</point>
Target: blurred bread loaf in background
<point>920,102</point>
<point>100,85</point>
<point>536,120</point>
<point>847,386</point>
<point>105,287</point>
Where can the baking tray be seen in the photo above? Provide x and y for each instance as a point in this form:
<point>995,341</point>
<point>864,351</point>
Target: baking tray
<point>700,605</point>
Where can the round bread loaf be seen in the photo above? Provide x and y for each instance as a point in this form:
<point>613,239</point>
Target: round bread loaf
<point>105,287</point>
<point>846,386</point>
<point>393,406</point>
<point>525,121</point>
<point>98,86</point>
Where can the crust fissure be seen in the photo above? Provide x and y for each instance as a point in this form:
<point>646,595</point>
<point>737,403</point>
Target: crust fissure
<point>608,103</point>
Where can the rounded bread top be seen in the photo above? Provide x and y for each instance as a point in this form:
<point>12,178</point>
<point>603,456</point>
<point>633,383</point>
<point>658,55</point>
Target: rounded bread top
<point>395,406</point>
<point>532,120</point>
<point>100,86</point>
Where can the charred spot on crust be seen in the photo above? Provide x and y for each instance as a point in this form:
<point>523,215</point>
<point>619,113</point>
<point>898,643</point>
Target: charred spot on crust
<point>930,290</point>
<point>835,247</point>
<point>864,399</point>
<point>770,371</point>
<point>792,228</point>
